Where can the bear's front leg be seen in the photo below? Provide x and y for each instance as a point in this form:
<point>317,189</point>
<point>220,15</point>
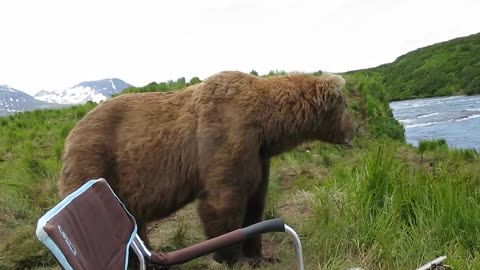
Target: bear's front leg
<point>222,210</point>
<point>252,248</point>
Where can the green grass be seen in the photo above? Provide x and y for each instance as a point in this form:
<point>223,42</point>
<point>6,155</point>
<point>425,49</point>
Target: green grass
<point>30,159</point>
<point>377,211</point>
<point>394,215</point>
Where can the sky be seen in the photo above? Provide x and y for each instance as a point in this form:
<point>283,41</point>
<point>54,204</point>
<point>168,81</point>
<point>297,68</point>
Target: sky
<point>51,45</point>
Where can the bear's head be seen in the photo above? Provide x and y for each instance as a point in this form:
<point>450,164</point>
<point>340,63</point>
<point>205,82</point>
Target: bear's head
<point>333,123</point>
<point>342,126</point>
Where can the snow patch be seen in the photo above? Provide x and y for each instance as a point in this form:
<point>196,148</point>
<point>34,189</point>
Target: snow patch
<point>95,91</point>
<point>113,85</point>
<point>75,95</point>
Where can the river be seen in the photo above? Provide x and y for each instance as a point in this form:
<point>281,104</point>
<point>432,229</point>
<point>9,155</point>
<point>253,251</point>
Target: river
<point>455,119</point>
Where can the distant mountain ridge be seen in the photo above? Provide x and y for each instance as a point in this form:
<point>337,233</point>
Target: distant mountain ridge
<point>13,100</point>
<point>95,91</point>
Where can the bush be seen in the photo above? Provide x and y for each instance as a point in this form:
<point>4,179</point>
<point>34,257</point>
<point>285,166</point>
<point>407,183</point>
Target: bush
<point>431,145</point>
<point>473,88</point>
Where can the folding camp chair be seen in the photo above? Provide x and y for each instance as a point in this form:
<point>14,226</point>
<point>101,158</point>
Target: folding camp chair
<point>92,229</point>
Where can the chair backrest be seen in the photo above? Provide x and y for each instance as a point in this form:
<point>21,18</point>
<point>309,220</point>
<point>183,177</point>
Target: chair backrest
<point>89,229</point>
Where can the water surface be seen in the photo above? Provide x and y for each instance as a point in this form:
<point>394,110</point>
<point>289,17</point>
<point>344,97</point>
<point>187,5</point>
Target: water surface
<point>455,119</point>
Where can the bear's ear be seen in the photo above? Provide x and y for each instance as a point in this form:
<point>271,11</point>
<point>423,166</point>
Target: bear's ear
<point>329,93</point>
<point>330,83</point>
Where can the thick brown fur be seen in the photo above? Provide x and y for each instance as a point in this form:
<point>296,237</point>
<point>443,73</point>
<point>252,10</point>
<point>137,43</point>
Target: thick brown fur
<point>212,141</point>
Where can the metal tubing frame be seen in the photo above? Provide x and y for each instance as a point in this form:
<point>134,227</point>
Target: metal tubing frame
<point>141,250</point>
<point>298,246</point>
<point>140,255</point>
<point>430,264</point>
<point>138,241</point>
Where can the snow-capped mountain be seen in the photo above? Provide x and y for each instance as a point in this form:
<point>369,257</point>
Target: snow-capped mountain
<point>95,91</point>
<point>13,100</point>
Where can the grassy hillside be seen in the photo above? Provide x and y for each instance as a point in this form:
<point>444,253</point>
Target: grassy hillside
<point>31,146</point>
<point>380,205</point>
<point>447,68</point>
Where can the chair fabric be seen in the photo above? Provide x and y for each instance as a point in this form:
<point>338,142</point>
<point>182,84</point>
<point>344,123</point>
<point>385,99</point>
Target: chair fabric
<point>89,229</point>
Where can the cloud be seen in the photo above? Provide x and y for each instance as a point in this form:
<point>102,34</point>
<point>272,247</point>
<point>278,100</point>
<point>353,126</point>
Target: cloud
<point>56,44</point>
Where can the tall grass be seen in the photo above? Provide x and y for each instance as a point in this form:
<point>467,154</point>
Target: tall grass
<point>387,214</point>
<point>31,145</point>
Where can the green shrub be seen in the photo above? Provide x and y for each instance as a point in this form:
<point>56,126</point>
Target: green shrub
<point>431,145</point>
<point>473,88</point>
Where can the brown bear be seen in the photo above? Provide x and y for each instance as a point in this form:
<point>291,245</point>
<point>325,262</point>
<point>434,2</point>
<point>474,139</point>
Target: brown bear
<point>212,141</point>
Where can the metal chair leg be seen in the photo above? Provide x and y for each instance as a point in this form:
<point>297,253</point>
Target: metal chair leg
<point>298,246</point>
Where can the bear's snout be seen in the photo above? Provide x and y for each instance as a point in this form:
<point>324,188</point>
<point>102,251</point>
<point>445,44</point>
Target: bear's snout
<point>347,130</point>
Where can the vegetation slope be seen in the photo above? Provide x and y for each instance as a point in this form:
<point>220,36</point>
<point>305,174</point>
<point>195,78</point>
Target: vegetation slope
<point>442,69</point>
